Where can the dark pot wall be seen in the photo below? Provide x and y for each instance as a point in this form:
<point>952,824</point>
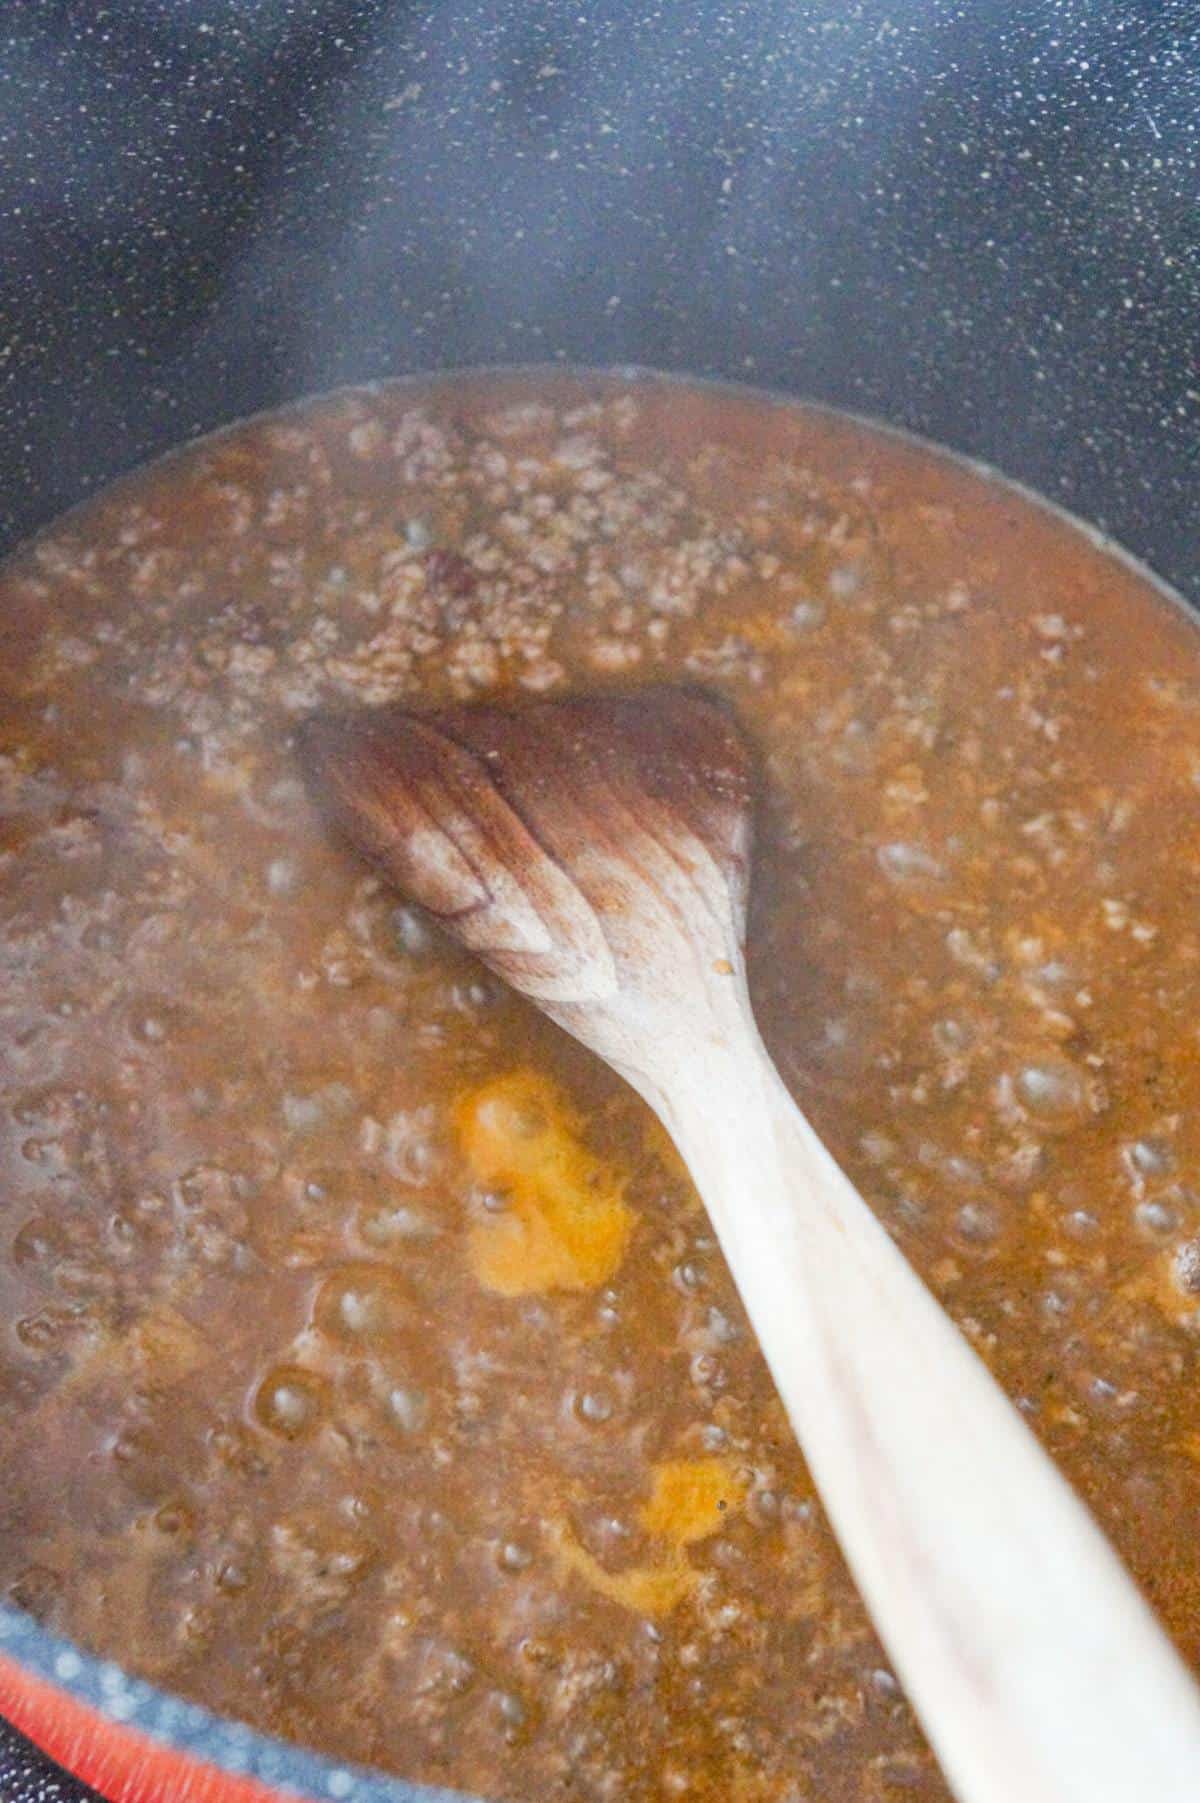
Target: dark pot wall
<point>976,219</point>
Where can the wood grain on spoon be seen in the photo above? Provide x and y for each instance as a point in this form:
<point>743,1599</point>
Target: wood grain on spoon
<point>594,852</point>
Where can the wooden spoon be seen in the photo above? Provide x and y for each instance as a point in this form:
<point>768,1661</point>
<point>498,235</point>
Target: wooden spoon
<point>594,852</point>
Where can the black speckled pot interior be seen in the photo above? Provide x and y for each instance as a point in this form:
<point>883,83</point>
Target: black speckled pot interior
<point>978,221</point>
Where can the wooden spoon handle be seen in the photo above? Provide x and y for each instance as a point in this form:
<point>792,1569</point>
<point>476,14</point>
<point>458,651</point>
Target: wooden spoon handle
<point>1038,1669</point>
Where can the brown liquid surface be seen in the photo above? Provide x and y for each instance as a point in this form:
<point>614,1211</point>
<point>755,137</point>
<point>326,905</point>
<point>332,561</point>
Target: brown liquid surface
<point>367,1369</point>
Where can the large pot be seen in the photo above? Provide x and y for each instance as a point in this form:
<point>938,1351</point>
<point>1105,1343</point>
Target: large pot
<point>974,223</point>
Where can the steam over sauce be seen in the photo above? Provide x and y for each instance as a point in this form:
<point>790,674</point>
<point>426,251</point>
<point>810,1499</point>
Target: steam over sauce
<point>367,1368</point>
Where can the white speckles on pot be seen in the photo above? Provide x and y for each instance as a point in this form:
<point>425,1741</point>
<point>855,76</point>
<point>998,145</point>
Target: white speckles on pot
<point>978,226</point>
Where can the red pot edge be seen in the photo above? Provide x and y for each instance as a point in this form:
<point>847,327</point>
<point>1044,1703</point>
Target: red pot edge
<point>124,1765</point>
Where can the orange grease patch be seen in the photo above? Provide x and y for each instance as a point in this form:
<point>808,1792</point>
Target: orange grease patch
<point>689,1500</point>
<point>567,1225</point>
<point>643,1589</point>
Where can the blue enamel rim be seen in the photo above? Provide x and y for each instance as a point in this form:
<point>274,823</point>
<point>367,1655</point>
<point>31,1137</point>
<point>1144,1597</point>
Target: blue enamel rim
<point>186,1728</point>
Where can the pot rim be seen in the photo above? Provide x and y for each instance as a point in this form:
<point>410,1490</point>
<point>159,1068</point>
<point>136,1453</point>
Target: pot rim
<point>644,375</point>
<point>128,1738</point>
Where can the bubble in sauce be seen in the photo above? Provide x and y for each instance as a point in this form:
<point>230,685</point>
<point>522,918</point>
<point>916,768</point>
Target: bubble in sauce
<point>909,865</point>
<point>43,1331</point>
<point>593,1406</point>
<point>1150,1157</point>
<point>688,1277</point>
<point>231,1577</point>
<point>175,1519</point>
<point>36,1589</point>
<point>290,1400</point>
<point>40,1241</point>
<point>408,1408</point>
<point>1156,1217</point>
<point>302,1113</point>
<point>706,1372</point>
<point>513,1557</point>
<point>1185,1267</point>
<point>763,1507</point>
<point>409,1151</point>
<point>517,1117</point>
<point>510,1708</point>
<point>283,878</point>
<point>122,1231</point>
<point>806,616</point>
<point>380,1225</point>
<point>953,1035</point>
<point>1051,1088</point>
<point>409,931</point>
<point>845,580</point>
<point>363,1303</point>
<point>977,1223</point>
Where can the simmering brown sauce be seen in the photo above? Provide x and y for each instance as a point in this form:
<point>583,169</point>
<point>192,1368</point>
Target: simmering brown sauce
<point>367,1367</point>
